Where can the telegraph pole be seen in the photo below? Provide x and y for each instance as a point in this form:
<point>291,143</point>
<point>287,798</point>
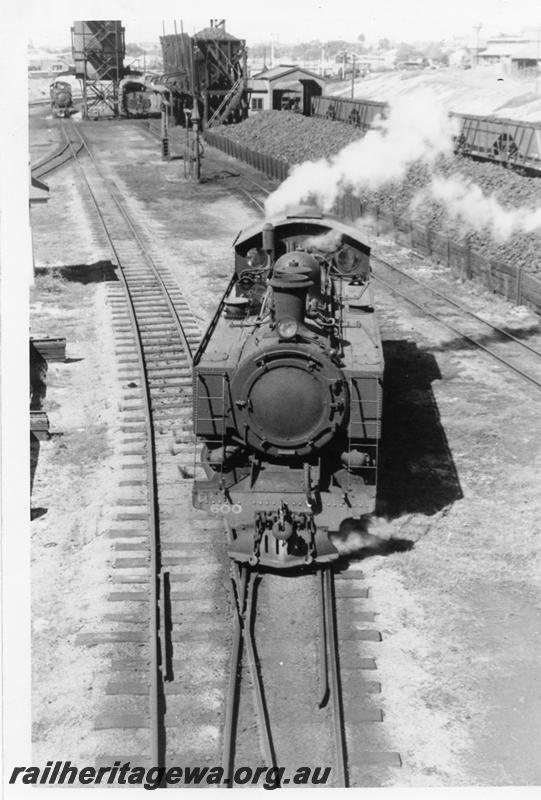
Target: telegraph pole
<point>477,28</point>
<point>197,154</point>
<point>353,75</point>
<point>537,64</point>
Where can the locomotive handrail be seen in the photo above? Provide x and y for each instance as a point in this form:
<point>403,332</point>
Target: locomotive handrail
<point>210,330</point>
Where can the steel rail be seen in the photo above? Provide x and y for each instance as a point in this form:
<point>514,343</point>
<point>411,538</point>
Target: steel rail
<point>51,157</point>
<point>456,305</point>
<point>323,648</point>
<point>262,188</point>
<point>261,706</point>
<point>460,333</point>
<point>243,581</point>
<point>328,603</point>
<point>260,207</point>
<point>52,162</point>
<point>156,272</point>
<point>232,698</point>
<point>156,689</point>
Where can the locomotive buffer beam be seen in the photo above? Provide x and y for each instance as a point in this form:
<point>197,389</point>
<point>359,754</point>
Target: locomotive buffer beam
<point>281,538</point>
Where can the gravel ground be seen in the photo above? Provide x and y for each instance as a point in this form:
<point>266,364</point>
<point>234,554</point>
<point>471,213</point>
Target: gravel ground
<point>460,612</point>
<point>74,489</point>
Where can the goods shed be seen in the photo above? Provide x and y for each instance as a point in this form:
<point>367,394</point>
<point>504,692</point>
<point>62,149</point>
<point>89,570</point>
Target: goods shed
<point>284,87</point>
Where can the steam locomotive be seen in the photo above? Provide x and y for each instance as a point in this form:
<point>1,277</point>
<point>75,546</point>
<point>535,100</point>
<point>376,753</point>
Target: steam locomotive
<point>288,392</point>
<point>142,98</point>
<point>61,99</point>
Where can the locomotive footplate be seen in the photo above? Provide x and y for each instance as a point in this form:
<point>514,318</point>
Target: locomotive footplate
<point>281,538</point>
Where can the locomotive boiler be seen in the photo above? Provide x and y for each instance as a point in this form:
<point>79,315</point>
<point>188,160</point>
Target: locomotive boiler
<point>287,392</point>
<point>61,98</point>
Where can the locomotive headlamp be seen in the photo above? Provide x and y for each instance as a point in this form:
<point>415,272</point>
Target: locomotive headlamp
<point>256,257</point>
<point>287,329</point>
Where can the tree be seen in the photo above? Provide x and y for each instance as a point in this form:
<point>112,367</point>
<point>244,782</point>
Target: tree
<point>434,52</point>
<point>336,46</point>
<point>407,52</point>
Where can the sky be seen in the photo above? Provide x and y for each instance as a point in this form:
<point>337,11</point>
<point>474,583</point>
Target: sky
<point>304,20</point>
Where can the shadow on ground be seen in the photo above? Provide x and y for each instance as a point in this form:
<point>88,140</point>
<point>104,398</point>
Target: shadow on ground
<point>98,272</point>
<point>417,473</point>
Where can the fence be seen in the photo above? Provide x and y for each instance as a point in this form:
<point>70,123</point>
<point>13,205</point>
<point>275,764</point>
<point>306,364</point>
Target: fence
<point>272,167</point>
<point>512,282</point>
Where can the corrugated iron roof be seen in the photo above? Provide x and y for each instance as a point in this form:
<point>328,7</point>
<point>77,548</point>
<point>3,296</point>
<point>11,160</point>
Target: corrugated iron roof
<point>275,72</point>
<point>281,71</point>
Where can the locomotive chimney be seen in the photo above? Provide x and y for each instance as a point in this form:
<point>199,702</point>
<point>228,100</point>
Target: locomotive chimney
<point>268,237</point>
<point>290,283</point>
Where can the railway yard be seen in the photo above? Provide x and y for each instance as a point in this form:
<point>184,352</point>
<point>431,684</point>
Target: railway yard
<point>435,607</point>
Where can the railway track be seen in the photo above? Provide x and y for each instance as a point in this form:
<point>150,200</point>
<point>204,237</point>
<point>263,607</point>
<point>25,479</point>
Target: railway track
<point>496,342</point>
<point>265,677</point>
<point>305,643</point>
<point>166,642</point>
<point>53,161</point>
<point>164,705</point>
<point>337,729</point>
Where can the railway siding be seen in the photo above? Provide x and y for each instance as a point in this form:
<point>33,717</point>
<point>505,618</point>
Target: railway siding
<point>161,575</point>
<point>186,584</point>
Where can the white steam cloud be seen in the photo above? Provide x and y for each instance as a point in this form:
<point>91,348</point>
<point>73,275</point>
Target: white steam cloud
<point>466,202</point>
<point>326,242</point>
<point>417,128</point>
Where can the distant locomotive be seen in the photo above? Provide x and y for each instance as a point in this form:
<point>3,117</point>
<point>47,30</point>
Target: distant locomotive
<point>288,392</point>
<point>61,99</point>
<point>141,98</point>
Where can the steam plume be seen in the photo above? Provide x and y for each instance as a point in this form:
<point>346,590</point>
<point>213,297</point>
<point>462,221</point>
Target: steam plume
<point>417,128</point>
<point>465,201</point>
<point>326,242</point>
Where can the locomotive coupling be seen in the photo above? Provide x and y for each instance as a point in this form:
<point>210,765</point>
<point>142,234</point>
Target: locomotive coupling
<point>282,528</point>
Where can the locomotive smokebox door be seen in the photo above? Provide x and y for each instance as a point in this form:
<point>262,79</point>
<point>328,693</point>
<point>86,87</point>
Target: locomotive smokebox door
<point>288,400</point>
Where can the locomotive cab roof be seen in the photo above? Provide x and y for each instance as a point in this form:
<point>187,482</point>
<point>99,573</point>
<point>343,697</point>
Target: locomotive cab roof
<point>305,220</point>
